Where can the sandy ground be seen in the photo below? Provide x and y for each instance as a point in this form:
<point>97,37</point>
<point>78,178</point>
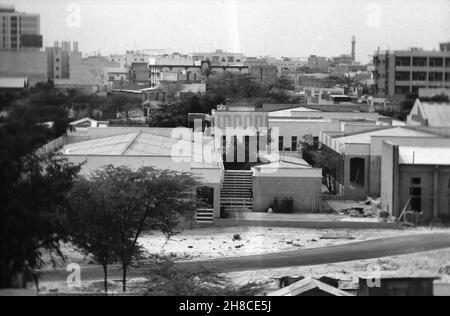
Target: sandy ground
<point>432,263</point>
<point>213,243</point>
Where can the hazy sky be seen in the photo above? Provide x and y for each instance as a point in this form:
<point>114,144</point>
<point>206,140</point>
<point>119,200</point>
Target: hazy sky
<point>253,27</point>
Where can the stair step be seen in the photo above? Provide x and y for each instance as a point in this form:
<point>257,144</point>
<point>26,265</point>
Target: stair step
<point>236,191</point>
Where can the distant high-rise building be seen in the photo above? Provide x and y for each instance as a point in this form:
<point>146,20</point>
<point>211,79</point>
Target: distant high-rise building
<point>444,47</point>
<point>398,73</point>
<point>353,48</point>
<point>58,60</point>
<point>19,30</point>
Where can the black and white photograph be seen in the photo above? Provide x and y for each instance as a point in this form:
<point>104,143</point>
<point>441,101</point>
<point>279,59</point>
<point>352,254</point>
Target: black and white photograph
<point>224,153</point>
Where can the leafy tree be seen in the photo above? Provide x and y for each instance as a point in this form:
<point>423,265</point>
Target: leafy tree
<point>320,157</point>
<point>32,217</point>
<point>235,85</point>
<point>349,82</point>
<point>437,98</point>
<point>91,224</point>
<point>122,104</point>
<point>172,115</point>
<point>284,84</point>
<point>33,187</point>
<point>6,100</point>
<point>407,104</point>
<point>131,202</point>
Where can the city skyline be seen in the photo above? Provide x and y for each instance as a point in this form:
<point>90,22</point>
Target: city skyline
<point>290,28</point>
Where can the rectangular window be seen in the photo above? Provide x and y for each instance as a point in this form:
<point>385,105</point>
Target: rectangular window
<point>403,61</point>
<point>402,76</point>
<point>435,76</point>
<point>436,62</point>
<point>294,143</point>
<point>280,143</point>
<point>419,76</point>
<point>419,61</point>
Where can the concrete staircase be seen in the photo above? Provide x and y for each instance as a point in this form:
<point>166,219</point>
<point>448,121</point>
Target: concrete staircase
<point>237,191</point>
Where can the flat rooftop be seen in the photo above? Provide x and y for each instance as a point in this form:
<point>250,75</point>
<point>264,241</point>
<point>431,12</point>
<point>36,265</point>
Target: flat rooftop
<point>365,138</point>
<point>288,112</point>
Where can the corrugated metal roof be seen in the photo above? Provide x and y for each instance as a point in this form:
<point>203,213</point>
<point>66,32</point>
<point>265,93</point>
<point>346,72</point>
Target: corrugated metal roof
<point>424,155</point>
<point>132,144</point>
<point>437,114</point>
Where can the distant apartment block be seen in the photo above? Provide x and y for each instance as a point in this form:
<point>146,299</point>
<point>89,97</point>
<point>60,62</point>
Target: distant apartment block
<point>398,73</point>
<point>175,59</point>
<point>288,65</point>
<point>19,30</point>
<point>318,63</point>
<point>219,57</point>
<point>261,70</point>
<point>58,60</point>
<point>444,47</point>
<point>343,59</point>
<point>121,59</point>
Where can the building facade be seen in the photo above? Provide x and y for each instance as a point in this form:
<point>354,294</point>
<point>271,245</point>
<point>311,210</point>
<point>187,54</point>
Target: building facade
<point>24,64</point>
<point>219,57</point>
<point>261,70</point>
<point>318,63</point>
<point>58,64</point>
<point>416,179</point>
<point>19,30</point>
<point>398,73</point>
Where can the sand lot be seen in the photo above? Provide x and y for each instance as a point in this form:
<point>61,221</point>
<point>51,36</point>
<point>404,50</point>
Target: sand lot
<point>213,243</point>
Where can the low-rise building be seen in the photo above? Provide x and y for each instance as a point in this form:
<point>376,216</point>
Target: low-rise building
<point>416,178</point>
<point>288,184</point>
<point>162,148</point>
<point>359,169</point>
<point>13,84</point>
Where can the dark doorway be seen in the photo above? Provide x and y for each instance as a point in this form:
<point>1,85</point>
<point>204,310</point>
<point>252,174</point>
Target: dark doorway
<point>357,171</point>
<point>415,192</point>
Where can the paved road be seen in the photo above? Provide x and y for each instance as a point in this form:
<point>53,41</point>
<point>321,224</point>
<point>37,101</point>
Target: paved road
<point>348,252</point>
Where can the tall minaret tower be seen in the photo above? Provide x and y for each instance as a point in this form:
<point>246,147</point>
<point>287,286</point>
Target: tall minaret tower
<point>353,48</point>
